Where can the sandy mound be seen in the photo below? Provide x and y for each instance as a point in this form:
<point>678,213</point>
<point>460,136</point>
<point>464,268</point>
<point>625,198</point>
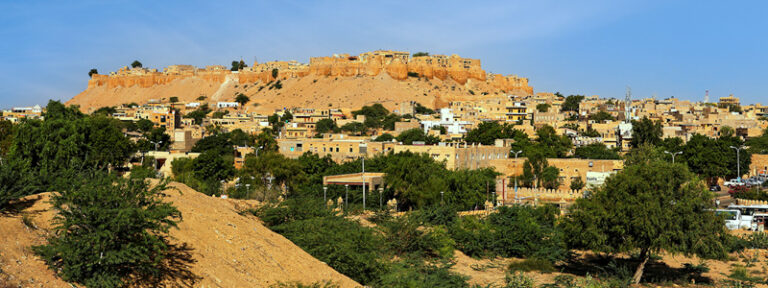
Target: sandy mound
<point>229,250</point>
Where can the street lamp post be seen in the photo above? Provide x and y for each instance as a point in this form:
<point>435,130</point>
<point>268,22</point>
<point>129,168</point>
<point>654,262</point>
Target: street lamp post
<point>248,190</point>
<point>156,143</point>
<point>381,189</point>
<point>673,154</point>
<point>516,153</point>
<point>738,161</point>
<point>363,175</point>
<point>441,197</point>
<point>346,196</point>
<point>325,192</point>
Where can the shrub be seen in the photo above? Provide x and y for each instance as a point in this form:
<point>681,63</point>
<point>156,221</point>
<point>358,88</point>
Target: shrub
<point>346,246</point>
<point>413,273</point>
<point>533,264</point>
<point>293,209</point>
<point>109,229</point>
<point>518,280</point>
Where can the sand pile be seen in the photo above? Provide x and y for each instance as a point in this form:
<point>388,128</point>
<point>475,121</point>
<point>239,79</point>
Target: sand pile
<point>228,249</point>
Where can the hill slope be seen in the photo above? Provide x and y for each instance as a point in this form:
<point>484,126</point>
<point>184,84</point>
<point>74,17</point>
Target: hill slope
<point>229,250</point>
<point>306,92</point>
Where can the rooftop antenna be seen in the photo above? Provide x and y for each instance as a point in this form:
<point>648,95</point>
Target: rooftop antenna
<point>628,105</point>
<point>706,96</point>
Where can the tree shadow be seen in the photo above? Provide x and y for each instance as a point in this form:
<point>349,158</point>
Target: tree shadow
<point>623,268</point>
<point>174,271</point>
<point>16,207</point>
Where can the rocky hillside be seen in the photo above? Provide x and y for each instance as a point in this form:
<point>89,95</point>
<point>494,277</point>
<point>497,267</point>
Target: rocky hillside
<point>337,82</point>
<point>226,248</point>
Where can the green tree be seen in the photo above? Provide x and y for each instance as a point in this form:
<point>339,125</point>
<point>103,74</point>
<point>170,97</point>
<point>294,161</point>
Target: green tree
<point>284,170</point>
<point>7,131</point>
<point>199,114</point>
<point>550,177</point>
<point>595,151</point>
<point>646,131</point>
<point>265,141</point>
<point>136,64</point>
<point>356,128</point>
<point>110,232</point>
<point>571,103</point>
<point>420,109</point>
<point>555,145</point>
<point>211,169</point>
<point>601,116</point>
<point>242,99</point>
<point>92,71</point>
<point>416,179</point>
<point>416,134</point>
<point>486,133</point>
<point>653,207</point>
<point>326,126</point>
<point>420,54</point>
<point>155,135</point>
<point>15,181</point>
<point>274,73</point>
<point>144,125</point>
<point>287,117</point>
<point>759,145</point>
<point>577,184</point>
<point>543,107</point>
<point>105,111</point>
<point>386,137</point>
<point>238,65</point>
<point>173,99</point>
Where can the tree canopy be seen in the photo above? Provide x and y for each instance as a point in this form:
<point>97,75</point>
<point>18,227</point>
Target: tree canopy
<point>571,103</point>
<point>416,134</point>
<point>595,151</point>
<point>646,131</point>
<point>136,64</point>
<point>648,208</point>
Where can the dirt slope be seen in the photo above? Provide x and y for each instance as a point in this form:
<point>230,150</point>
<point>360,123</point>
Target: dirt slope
<point>230,250</point>
<point>305,92</point>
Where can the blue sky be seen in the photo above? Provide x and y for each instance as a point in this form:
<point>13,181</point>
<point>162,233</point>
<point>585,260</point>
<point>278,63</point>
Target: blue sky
<point>667,48</point>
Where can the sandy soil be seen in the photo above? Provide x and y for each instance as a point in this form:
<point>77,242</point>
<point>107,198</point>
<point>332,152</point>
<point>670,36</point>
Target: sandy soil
<point>229,250</point>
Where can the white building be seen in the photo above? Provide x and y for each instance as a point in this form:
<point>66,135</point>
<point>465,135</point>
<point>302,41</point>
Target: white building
<point>227,105</point>
<point>446,120</point>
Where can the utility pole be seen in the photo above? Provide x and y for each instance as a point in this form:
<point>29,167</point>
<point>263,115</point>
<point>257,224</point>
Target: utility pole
<point>516,153</point>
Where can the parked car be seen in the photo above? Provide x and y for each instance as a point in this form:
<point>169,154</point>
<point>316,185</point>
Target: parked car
<point>734,182</point>
<point>715,188</point>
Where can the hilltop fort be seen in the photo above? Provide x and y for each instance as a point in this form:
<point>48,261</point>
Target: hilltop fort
<point>454,77</point>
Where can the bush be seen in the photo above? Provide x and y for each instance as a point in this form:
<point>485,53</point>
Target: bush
<point>343,244</point>
<point>405,235</point>
<point>519,280</point>
<point>109,229</point>
<point>293,209</point>
<point>519,231</point>
<point>418,274</point>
